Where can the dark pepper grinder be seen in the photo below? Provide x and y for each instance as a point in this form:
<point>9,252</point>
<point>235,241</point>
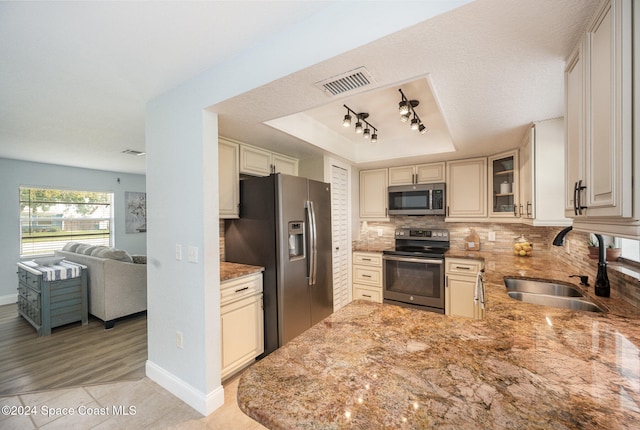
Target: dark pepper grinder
<point>602,280</point>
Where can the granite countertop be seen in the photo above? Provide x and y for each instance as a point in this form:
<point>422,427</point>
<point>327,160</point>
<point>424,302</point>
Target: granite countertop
<point>524,366</point>
<point>229,271</point>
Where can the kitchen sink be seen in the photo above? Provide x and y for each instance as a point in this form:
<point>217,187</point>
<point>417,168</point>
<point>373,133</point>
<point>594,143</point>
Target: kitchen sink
<point>541,287</point>
<point>549,293</point>
<point>578,304</point>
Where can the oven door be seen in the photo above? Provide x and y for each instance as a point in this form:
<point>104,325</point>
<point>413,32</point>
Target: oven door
<point>414,281</point>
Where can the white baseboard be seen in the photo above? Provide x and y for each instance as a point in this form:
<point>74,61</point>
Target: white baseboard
<point>203,403</point>
<point>8,299</point>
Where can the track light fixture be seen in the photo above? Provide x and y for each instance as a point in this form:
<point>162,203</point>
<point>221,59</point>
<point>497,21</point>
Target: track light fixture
<point>407,108</point>
<point>361,118</point>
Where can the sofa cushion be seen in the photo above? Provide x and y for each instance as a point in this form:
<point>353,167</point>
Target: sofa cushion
<point>84,249</point>
<point>71,246</point>
<point>113,254</point>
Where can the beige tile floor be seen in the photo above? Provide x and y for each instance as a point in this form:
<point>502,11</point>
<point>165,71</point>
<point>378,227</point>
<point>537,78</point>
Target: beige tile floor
<point>155,408</point>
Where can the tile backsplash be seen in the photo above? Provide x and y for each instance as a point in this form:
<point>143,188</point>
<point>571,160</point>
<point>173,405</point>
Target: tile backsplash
<point>382,234</point>
<point>624,280</point>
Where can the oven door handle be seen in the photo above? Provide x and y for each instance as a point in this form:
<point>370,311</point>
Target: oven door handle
<point>413,260</point>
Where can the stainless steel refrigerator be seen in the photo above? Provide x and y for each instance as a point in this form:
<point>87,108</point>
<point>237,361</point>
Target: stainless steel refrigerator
<point>285,226</point>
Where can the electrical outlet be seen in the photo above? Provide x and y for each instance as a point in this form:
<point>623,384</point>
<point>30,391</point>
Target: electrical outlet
<point>379,232</point>
<point>491,236</point>
<point>179,340</point>
<point>178,252</point>
<point>193,254</point>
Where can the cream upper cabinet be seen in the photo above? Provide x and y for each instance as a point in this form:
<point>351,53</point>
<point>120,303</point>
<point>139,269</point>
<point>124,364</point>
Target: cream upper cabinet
<point>504,185</point>
<point>228,178</point>
<point>404,175</point>
<point>373,193</point>
<point>260,162</point>
<point>527,193</point>
<point>599,119</point>
<point>284,164</point>
<point>467,188</point>
<point>542,173</point>
<point>420,174</point>
<point>574,129</point>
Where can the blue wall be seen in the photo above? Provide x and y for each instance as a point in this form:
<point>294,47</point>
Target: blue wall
<point>14,174</point>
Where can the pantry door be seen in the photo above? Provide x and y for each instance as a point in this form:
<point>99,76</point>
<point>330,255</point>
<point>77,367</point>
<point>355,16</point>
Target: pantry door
<point>340,236</point>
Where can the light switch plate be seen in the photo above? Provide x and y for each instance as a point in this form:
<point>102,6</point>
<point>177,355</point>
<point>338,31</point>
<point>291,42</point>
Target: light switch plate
<point>491,236</point>
<point>178,252</point>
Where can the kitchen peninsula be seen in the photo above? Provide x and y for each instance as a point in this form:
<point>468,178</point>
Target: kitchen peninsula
<point>524,366</point>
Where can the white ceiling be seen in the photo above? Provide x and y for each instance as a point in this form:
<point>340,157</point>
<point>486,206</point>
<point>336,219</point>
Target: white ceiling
<point>76,76</point>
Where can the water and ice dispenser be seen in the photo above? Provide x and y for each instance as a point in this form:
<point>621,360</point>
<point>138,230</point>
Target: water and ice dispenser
<point>296,240</point>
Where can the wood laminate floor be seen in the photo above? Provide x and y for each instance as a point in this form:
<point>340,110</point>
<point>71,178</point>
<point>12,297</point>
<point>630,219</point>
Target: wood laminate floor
<point>72,355</point>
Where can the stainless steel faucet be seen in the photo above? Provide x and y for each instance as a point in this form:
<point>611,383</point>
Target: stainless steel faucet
<point>602,287</point>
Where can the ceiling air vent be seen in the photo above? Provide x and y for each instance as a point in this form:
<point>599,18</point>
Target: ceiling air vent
<point>345,82</point>
<point>133,152</point>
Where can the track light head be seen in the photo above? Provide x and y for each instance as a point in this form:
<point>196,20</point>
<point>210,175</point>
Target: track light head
<point>359,128</point>
<point>403,107</point>
<point>407,108</point>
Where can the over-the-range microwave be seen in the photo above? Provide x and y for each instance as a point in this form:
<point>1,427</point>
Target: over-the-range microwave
<point>417,199</point>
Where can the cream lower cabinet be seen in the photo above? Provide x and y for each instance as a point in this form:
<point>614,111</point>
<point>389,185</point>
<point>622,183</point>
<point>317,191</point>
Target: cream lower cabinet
<point>460,288</point>
<point>241,322</point>
<point>367,276</point>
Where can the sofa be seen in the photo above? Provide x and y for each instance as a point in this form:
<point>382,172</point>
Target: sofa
<point>117,285</point>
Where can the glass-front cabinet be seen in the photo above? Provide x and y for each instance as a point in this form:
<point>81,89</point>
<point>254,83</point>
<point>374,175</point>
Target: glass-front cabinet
<point>504,200</point>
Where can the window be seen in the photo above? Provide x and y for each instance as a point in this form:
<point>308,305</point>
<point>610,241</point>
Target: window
<point>630,249</point>
<point>50,218</point>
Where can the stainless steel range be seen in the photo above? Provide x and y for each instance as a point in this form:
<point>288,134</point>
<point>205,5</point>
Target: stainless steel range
<point>413,271</point>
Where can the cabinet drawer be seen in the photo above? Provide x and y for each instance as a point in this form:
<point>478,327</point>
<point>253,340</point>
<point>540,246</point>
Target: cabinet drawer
<point>463,266</point>
<point>30,280</point>
<point>368,275</point>
<point>237,289</point>
<point>362,292</point>
<point>367,259</point>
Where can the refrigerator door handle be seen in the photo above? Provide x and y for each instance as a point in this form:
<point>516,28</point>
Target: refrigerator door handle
<point>313,246</point>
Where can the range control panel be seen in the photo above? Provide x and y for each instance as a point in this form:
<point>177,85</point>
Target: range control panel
<point>420,234</point>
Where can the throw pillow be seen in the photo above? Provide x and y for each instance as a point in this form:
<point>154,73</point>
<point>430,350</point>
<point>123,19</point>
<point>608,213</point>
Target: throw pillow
<point>98,250</point>
<point>71,246</point>
<point>116,254</point>
<point>85,249</point>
